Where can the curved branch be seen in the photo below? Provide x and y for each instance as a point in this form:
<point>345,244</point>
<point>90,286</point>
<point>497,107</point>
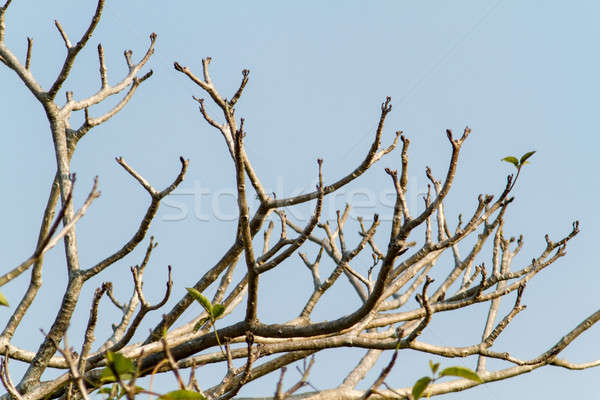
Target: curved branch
<point>373,155</point>
<point>144,225</point>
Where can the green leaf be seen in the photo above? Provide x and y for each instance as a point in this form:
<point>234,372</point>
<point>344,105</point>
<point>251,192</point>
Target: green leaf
<point>200,323</point>
<point>123,366</point>
<point>182,395</point>
<point>218,310</point>
<point>419,387</point>
<point>107,375</point>
<point>200,298</point>
<point>3,301</point>
<point>461,372</point>
<point>512,160</point>
<point>526,156</point>
<point>433,367</point>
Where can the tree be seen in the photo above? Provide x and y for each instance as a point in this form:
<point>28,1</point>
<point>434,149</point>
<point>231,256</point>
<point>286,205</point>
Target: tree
<point>396,270</point>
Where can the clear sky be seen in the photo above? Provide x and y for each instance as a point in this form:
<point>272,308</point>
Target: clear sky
<point>522,74</point>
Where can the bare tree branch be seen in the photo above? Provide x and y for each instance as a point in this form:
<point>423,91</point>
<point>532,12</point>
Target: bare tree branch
<point>145,224</point>
<point>393,269</point>
<point>50,241</point>
<point>72,51</point>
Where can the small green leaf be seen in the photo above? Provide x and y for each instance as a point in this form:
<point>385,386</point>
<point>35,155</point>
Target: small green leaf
<point>107,375</point>
<point>218,310</point>
<point>419,387</point>
<point>182,395</point>
<point>121,364</point>
<point>512,160</point>
<point>200,298</point>
<point>526,156</point>
<point>3,301</point>
<point>433,367</point>
<point>461,372</point>
<point>200,323</point>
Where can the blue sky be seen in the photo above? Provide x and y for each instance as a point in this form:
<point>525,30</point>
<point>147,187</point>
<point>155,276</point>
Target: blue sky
<point>522,75</point>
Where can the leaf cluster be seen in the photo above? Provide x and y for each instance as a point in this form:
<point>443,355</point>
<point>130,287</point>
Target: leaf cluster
<point>214,311</point>
<point>120,368</point>
<point>518,163</point>
<point>421,384</point>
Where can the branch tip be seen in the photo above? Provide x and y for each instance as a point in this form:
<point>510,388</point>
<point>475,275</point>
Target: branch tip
<point>128,54</point>
<point>466,133</point>
<point>386,107</point>
<point>146,76</point>
<point>28,56</point>
<point>63,34</point>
